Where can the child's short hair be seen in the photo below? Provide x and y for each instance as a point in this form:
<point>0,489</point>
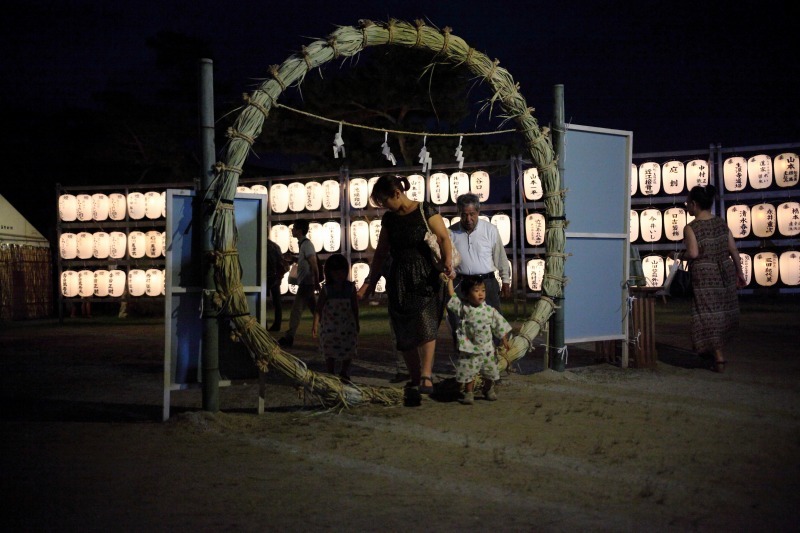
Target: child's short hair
<point>335,262</point>
<point>468,282</point>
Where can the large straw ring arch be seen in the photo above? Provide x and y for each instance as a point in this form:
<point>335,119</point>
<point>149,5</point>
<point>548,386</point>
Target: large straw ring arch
<point>345,42</point>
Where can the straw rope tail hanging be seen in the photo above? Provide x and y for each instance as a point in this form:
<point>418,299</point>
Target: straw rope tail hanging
<point>348,41</point>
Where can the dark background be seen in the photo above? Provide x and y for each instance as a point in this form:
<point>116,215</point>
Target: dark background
<point>680,75</point>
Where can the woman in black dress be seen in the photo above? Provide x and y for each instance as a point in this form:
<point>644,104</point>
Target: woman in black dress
<point>416,290</point>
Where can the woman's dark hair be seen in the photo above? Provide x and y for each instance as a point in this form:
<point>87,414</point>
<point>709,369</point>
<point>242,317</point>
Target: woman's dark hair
<point>468,282</point>
<point>386,186</point>
<point>334,263</point>
<point>703,195</point>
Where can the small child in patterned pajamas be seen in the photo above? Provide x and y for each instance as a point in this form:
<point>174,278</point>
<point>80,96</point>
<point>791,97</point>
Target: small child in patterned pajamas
<point>476,352</point>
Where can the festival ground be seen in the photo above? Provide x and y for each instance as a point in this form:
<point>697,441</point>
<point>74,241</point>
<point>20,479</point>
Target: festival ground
<point>594,448</point>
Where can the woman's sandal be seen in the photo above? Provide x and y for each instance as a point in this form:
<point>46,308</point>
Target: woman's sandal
<point>719,366</point>
<point>425,389</point>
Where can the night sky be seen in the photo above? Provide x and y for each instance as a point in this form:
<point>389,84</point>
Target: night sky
<point>679,75</point>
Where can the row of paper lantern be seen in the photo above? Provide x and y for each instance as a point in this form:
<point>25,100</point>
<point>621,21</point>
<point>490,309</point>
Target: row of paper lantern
<point>113,245</point>
<point>328,235</point>
<point>314,196</point>
<point>676,178</point>
<point>766,267</point>
<point>113,283</point>
<point>762,220</point>
<point>114,206</point>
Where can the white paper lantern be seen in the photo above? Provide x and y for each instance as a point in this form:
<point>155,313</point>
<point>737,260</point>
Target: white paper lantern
<point>137,282</point>
<point>244,189</point>
<point>100,206</point>
<point>674,222</point>
<point>371,185</point>
<point>117,206</point>
<point>534,229</point>
<point>653,268</point>
<point>765,268</point>
<point>294,244</point>
<point>260,189</point>
<point>163,244</point>
<point>763,220</point>
<point>67,207</point>
<point>85,283</point>
<point>650,222</point>
<point>359,189</point>
<point>137,243</point>
<point>738,219</point>
<point>330,194</point>
<point>789,266</point>
<point>454,220</point>
<point>101,278</point>
<point>285,283</point>
<point>673,176</point>
<point>359,235</point>
<point>279,197</point>
<point>117,245</point>
<point>633,228</point>
<point>746,262</point>
<point>734,172</point>
<point>374,233</point>
<point>759,171</point>
<point>297,197</point>
<point>359,273</point>
<point>416,189</point>
<point>535,272</point>
<point>280,235</point>
<point>440,188</point>
<point>503,224</point>
<point>532,184</point>
<point>634,178</point>
<point>116,283</point>
<point>153,205</point>
<point>153,244</point>
<point>69,283</point>
<point>785,166</point>
<point>153,282</point>
<point>696,173</point>
<point>650,178</point>
<point>101,245</point>
<point>380,287</point>
<point>163,203</point>
<point>313,196</point>
<point>789,219</point>
<point>292,289</point>
<point>136,206</point>
<point>333,236</point>
<point>316,235</point>
<point>479,184</point>
<point>446,222</point>
<point>459,184</point>
<point>84,207</point>
<point>68,246</point>
<point>85,245</point>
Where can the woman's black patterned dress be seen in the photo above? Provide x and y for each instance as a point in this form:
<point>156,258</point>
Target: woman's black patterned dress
<point>715,307</point>
<point>416,292</point>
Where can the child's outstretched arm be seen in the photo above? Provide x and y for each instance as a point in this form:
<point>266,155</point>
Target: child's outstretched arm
<point>451,290</point>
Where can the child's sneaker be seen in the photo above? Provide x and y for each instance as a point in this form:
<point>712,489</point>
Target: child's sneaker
<point>488,391</point>
<point>468,398</point>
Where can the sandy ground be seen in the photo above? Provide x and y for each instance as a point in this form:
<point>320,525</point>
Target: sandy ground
<point>594,448</point>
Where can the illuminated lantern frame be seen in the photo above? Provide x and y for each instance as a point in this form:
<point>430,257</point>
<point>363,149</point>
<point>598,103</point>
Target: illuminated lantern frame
<point>763,220</point>
<point>673,176</point>
<point>766,268</point>
<point>653,268</point>
<point>734,172</point>
<point>789,219</point>
<point>67,207</point>
<point>535,273</point>
<point>416,189</point>
<point>479,184</point>
<point>650,222</point>
<point>439,188</point>
<point>674,223</point>
<point>534,229</point>
<point>785,168</point>
<point>136,205</point>
<point>359,235</point>
<point>633,226</point>
<point>84,207</point>
<point>100,206</point>
<point>789,266</point>
<point>358,193</point>
<point>759,171</point>
<point>459,184</point>
<point>279,198</point>
<point>117,206</point>
<point>696,174</point>
<point>738,218</point>
<point>297,197</point>
<point>650,178</point>
<point>503,224</point>
<point>532,184</point>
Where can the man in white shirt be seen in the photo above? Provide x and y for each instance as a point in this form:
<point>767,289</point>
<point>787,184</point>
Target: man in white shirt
<point>307,281</point>
<point>482,253</point>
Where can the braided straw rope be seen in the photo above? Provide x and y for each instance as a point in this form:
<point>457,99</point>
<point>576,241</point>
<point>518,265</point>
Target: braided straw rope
<point>348,41</point>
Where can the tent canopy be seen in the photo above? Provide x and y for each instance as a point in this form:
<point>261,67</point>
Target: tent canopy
<point>15,229</point>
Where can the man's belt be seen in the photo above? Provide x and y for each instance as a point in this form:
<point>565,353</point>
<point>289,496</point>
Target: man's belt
<point>478,276</point>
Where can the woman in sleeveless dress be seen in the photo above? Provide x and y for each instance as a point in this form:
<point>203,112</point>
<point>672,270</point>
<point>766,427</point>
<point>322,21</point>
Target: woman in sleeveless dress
<point>415,289</point>
<point>716,275</point>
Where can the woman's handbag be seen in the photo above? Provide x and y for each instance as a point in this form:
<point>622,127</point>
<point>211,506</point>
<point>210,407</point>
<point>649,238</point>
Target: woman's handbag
<point>679,281</point>
<point>433,244</point>
<point>293,274</point>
